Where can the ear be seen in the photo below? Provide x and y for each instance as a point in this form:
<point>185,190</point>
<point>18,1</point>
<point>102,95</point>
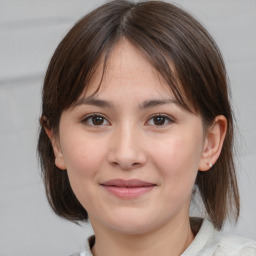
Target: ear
<point>214,139</point>
<point>59,159</point>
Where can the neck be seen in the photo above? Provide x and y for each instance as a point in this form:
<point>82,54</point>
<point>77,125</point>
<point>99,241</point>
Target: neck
<point>171,239</point>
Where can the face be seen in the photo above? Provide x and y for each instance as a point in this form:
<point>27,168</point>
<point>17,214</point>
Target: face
<point>132,152</point>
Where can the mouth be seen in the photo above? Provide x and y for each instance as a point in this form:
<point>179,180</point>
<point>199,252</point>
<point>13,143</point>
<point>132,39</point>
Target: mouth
<point>127,189</point>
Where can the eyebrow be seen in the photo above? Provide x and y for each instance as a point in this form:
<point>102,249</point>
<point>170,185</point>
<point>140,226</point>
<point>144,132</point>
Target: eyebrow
<point>154,103</point>
<point>106,104</point>
<point>94,102</point>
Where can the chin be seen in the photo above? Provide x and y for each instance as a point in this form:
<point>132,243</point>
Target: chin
<point>132,225</point>
<point>132,229</point>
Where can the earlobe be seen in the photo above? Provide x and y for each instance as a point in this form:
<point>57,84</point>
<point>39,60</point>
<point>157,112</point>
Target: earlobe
<point>59,160</point>
<point>213,143</point>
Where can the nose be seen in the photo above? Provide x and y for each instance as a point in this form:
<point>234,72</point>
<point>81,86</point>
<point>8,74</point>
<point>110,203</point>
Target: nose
<point>126,149</point>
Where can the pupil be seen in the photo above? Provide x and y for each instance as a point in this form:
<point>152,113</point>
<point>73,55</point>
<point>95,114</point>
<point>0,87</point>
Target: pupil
<point>97,120</point>
<point>159,120</point>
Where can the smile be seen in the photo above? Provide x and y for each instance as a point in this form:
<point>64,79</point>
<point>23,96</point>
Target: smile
<point>127,189</point>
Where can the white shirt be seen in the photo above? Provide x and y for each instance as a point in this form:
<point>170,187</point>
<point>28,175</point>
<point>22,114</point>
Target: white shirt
<point>208,242</point>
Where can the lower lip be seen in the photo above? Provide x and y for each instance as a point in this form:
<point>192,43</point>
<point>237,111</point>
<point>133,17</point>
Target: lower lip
<point>128,193</point>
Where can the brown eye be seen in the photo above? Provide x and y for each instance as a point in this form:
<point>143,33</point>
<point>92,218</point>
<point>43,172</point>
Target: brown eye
<point>95,120</point>
<point>159,120</point>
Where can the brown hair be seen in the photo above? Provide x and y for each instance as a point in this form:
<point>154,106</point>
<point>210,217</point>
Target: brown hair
<point>164,33</point>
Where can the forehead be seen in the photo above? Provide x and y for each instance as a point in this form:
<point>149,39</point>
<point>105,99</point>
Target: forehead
<point>126,68</point>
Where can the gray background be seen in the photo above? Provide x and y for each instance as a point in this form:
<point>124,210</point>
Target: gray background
<point>29,32</point>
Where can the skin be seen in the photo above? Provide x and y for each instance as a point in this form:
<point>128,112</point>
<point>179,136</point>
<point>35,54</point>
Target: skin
<point>126,141</point>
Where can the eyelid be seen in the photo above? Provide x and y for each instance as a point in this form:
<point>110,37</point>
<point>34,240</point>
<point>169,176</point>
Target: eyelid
<point>168,117</point>
<point>91,115</point>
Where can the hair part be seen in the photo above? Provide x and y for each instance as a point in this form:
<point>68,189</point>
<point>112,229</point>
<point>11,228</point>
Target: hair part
<point>164,33</point>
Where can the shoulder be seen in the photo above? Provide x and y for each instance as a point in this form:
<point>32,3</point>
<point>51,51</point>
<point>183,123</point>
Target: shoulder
<point>235,245</point>
<point>211,242</point>
<point>82,253</point>
<point>86,251</point>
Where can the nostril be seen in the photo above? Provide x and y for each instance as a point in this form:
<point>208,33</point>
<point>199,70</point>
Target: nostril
<point>126,166</point>
<point>126,159</point>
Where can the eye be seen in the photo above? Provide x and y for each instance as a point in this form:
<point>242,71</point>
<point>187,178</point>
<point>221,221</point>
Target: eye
<point>160,120</point>
<point>95,120</point>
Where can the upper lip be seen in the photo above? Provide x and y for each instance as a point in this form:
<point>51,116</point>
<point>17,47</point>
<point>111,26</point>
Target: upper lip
<point>132,183</point>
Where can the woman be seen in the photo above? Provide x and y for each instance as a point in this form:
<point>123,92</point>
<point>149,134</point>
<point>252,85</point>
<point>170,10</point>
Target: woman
<point>135,119</point>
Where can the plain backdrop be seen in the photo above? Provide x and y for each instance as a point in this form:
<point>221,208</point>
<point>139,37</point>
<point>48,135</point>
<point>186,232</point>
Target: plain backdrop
<point>29,32</point>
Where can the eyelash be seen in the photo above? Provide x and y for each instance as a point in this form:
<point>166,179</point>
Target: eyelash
<point>90,117</point>
<point>162,116</point>
<point>88,120</point>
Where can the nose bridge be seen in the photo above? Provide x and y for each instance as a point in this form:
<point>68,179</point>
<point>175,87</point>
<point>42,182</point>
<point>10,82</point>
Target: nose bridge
<point>126,148</point>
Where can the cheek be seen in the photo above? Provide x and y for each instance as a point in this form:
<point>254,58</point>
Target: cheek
<point>83,160</point>
<point>82,157</point>
<point>178,159</point>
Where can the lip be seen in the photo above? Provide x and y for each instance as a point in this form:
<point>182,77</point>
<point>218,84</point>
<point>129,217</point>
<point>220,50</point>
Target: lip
<point>127,189</point>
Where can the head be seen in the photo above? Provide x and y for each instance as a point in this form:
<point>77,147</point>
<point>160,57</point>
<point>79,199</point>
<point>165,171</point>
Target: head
<point>184,56</point>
